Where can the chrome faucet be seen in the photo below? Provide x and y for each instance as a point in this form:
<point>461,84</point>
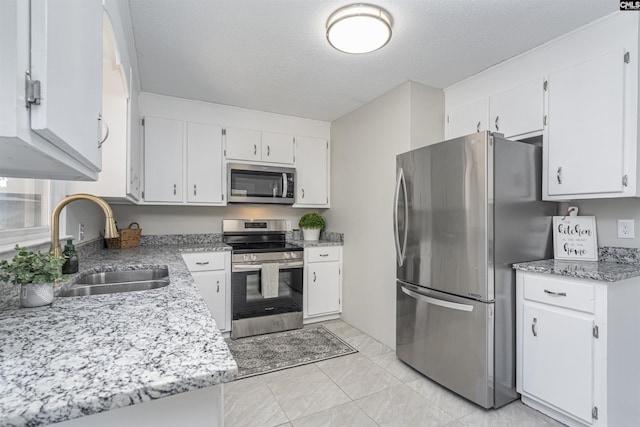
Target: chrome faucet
<point>110,230</point>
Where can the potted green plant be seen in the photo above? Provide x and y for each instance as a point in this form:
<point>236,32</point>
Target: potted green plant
<point>35,272</point>
<point>311,225</point>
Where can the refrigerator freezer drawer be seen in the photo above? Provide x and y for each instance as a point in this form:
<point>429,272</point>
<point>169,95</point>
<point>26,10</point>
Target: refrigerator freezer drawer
<point>449,339</point>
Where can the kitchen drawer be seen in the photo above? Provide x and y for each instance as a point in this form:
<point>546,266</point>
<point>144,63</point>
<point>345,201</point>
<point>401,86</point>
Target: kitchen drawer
<point>560,292</point>
<point>204,261</point>
<point>324,254</point>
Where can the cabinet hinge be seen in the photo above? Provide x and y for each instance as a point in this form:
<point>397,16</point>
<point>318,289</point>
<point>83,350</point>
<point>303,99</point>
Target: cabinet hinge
<point>594,413</point>
<point>225,153</point>
<point>544,120</point>
<point>627,57</point>
<point>545,85</point>
<point>142,121</point>
<point>222,196</point>
<point>327,145</point>
<point>224,132</point>
<point>447,119</point>
<point>32,90</point>
<point>625,180</point>
<point>596,331</point>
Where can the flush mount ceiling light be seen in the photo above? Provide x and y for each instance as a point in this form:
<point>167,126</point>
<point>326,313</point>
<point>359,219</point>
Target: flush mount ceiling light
<point>359,28</point>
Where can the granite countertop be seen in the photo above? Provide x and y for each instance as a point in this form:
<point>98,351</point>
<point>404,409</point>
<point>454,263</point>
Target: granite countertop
<point>84,355</point>
<point>596,270</point>
<point>315,243</point>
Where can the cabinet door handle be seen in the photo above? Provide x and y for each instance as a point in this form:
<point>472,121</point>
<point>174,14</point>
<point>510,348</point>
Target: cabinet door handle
<point>559,174</point>
<point>106,135</point>
<point>555,294</point>
<point>255,149</point>
<point>202,263</point>
<point>314,276</point>
<point>268,151</point>
<point>497,122</point>
<point>218,289</point>
<point>195,189</point>
<point>533,327</point>
<point>302,193</point>
<point>478,127</point>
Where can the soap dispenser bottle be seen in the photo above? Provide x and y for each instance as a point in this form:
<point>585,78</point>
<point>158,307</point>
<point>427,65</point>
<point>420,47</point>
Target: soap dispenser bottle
<point>72,263</point>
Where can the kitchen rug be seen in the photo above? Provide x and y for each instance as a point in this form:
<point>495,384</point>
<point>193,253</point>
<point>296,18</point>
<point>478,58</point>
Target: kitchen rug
<point>273,352</point>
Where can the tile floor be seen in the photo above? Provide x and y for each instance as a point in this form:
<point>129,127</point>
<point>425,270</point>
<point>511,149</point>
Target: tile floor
<point>368,388</point>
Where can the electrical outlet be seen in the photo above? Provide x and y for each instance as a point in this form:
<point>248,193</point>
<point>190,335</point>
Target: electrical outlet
<point>80,232</point>
<point>626,229</point>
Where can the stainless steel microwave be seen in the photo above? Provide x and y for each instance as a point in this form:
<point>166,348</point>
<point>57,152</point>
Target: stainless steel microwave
<point>260,184</point>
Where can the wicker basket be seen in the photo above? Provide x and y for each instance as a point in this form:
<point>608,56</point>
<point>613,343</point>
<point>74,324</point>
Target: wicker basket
<point>129,238</point>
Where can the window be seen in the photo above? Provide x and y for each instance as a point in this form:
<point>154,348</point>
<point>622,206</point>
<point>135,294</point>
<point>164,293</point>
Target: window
<point>24,210</point>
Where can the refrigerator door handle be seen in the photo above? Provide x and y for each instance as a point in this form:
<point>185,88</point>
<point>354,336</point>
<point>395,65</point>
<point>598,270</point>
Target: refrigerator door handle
<point>439,302</point>
<point>400,250</point>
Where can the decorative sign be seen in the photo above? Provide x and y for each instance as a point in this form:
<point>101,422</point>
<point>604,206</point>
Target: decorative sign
<point>574,237</point>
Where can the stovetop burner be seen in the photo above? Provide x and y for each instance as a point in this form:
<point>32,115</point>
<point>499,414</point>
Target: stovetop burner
<point>256,235</point>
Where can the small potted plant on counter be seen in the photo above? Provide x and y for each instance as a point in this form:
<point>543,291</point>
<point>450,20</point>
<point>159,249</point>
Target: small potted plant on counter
<point>35,272</point>
<point>311,225</point>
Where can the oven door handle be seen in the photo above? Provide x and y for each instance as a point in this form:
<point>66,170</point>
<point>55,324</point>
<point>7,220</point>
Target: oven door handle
<point>238,268</point>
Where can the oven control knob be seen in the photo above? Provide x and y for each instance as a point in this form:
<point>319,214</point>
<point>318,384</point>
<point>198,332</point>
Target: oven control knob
<point>287,255</point>
<point>253,257</point>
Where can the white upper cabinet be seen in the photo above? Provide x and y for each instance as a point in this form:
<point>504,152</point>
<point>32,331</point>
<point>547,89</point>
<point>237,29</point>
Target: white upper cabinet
<point>58,136</point>
<point>243,144</point>
<point>204,163</point>
<point>468,119</point>
<point>120,179</point>
<point>166,143</point>
<point>585,134</point>
<point>513,112</point>
<point>254,145</point>
<point>312,172</point>
<point>163,145</point>
<point>277,147</point>
<point>587,116</point>
<point>519,110</point>
<point>66,58</point>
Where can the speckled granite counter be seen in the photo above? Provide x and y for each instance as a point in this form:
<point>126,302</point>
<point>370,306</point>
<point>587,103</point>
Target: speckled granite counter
<point>85,355</point>
<point>315,243</point>
<point>596,270</point>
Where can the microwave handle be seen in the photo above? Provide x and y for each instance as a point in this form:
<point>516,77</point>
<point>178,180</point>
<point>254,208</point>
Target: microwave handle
<point>284,184</point>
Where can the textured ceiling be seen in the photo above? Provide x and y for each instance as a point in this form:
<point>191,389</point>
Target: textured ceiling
<point>272,55</point>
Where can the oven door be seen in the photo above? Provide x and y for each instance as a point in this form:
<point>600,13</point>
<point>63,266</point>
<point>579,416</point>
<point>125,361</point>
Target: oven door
<point>260,184</point>
<point>248,295</point>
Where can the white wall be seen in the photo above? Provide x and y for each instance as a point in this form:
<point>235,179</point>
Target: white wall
<point>200,219</point>
<point>364,145</point>
<point>607,212</point>
<point>226,116</point>
<point>427,115</point>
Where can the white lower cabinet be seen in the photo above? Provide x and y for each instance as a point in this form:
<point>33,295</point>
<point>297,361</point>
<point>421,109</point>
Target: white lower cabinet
<point>577,348</point>
<point>211,272</point>
<point>322,281</point>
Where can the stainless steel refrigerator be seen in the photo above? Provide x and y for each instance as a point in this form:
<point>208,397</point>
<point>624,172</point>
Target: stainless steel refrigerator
<point>465,210</point>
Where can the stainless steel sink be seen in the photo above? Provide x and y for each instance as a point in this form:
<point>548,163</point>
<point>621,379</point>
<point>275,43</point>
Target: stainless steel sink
<point>110,282</point>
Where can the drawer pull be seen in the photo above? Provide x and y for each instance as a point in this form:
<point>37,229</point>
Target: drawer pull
<point>202,263</point>
<point>533,327</point>
<point>323,255</point>
<point>555,294</point>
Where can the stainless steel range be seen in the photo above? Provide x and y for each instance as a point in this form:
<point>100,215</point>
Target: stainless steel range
<point>266,277</point>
